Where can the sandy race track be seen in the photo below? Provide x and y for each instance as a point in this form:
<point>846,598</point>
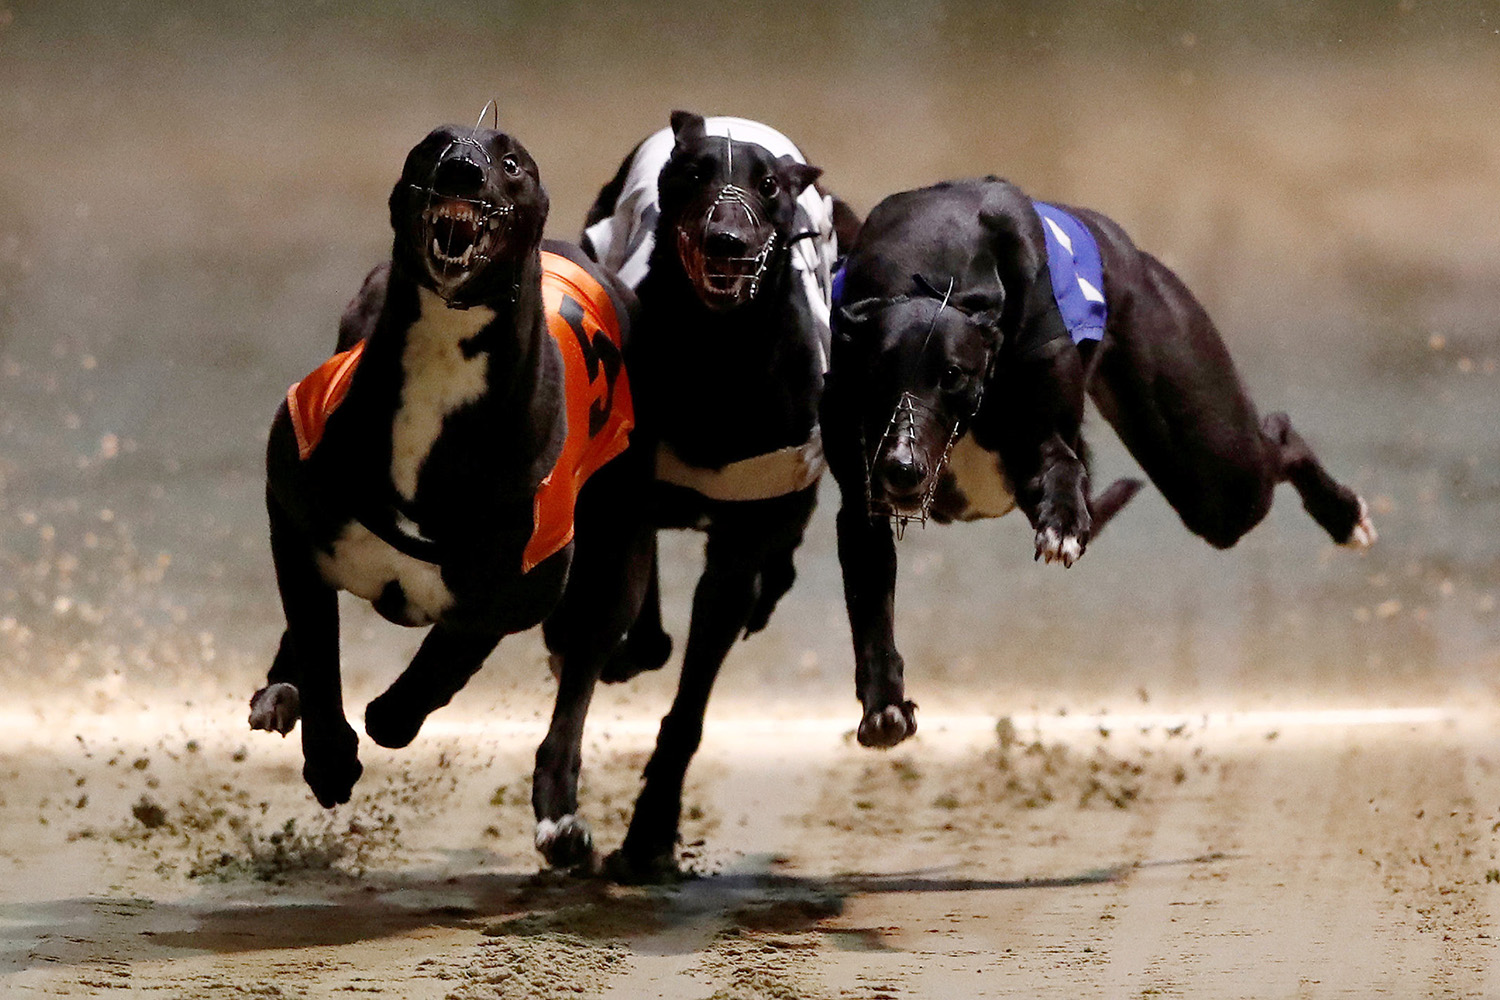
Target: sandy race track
<point>167,854</point>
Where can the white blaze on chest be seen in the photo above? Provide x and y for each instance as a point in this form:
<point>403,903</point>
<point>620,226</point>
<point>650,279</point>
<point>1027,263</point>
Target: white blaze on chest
<point>979,476</point>
<point>364,565</point>
<point>436,380</point>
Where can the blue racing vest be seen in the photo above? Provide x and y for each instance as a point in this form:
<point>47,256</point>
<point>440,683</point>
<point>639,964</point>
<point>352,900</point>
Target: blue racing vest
<point>1076,268</point>
<point>1077,273</point>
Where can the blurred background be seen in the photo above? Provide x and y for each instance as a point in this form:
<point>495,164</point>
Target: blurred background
<point>190,192</point>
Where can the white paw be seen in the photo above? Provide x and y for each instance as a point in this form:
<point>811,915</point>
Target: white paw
<point>565,841</point>
<point>1364,534</point>
<point>1053,546</point>
<point>275,708</point>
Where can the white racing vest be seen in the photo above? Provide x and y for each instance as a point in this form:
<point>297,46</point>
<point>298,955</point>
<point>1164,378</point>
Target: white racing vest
<point>623,242</point>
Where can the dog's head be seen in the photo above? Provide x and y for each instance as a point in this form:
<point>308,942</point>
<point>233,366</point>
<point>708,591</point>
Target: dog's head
<point>731,206</point>
<point>468,209</point>
<point>914,368</point>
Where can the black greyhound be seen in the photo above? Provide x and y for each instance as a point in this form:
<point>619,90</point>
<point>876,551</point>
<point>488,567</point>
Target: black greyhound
<point>968,325</point>
<point>732,271</point>
<point>432,466</point>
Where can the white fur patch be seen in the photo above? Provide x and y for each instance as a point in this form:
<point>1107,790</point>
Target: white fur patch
<point>363,565</point>
<point>437,379</point>
<point>549,831</point>
<point>1364,534</point>
<point>980,478</point>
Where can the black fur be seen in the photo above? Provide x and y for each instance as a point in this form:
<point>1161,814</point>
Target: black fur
<point>1161,376</point>
<point>471,513</point>
<point>717,384</point>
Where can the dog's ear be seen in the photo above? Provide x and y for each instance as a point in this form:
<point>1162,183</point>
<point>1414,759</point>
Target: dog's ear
<point>797,175</point>
<point>688,128</point>
<point>984,306</point>
<point>1013,253</point>
<point>859,312</point>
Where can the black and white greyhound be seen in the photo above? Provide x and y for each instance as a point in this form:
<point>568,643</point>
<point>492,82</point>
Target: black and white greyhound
<point>729,244</point>
<point>432,467</point>
<point>969,324</point>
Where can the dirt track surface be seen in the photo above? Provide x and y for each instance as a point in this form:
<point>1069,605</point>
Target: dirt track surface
<point>1252,856</point>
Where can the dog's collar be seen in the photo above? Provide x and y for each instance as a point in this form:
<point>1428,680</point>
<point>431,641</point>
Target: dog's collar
<point>760,477</point>
<point>392,526</point>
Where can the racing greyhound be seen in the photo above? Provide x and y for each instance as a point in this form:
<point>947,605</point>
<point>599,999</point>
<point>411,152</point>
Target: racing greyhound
<point>969,323</point>
<point>434,466</point>
<point>719,226</point>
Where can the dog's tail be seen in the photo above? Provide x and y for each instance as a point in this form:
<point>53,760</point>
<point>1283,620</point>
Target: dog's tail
<point>1106,505</point>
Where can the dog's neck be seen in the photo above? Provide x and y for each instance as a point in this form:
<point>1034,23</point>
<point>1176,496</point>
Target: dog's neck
<point>720,386</point>
<point>435,360</point>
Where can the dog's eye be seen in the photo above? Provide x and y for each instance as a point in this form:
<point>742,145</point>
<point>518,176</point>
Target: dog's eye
<point>954,379</point>
<point>511,167</point>
<point>769,186</point>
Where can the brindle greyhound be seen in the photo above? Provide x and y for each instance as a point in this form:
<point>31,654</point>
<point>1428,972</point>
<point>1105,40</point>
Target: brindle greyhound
<point>432,466</point>
<point>969,324</point>
<point>732,270</point>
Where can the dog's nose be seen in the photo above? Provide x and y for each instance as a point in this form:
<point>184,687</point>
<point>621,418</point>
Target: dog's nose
<point>723,243</point>
<point>458,175</point>
<point>902,471</point>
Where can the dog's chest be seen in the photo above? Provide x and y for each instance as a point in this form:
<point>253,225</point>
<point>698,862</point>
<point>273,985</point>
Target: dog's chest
<point>975,484</point>
<point>436,379</point>
<point>362,564</point>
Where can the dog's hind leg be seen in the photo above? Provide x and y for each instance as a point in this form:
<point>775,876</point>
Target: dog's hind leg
<point>444,663</point>
<point>776,578</point>
<point>647,645</point>
<point>1338,510</point>
<point>310,654</point>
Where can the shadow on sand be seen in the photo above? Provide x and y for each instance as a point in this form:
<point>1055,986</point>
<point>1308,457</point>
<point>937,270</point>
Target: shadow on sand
<point>654,919</point>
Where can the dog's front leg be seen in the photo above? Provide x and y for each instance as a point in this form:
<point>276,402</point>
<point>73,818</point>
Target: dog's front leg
<point>330,761</point>
<point>722,603</point>
<point>1059,509</point>
<point>867,557</point>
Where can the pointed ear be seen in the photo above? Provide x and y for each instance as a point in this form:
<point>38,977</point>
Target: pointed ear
<point>1013,253</point>
<point>984,306</point>
<point>797,175</point>
<point>858,312</point>
<point>688,128</point>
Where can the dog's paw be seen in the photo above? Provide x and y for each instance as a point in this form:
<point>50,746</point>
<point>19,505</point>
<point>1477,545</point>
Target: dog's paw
<point>565,842</point>
<point>655,869</point>
<point>636,655</point>
<point>888,726</point>
<point>331,766</point>
<point>1363,534</point>
<point>390,724</point>
<point>275,708</point>
<point>1055,546</point>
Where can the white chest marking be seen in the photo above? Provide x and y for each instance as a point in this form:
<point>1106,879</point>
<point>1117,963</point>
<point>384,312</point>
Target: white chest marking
<point>436,380</point>
<point>980,478</point>
<point>363,565</point>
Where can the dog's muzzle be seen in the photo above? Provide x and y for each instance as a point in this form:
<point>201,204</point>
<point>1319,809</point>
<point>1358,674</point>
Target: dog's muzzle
<point>906,464</point>
<point>725,281</point>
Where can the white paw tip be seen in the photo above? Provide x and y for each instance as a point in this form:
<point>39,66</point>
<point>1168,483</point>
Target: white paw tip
<point>1072,548</point>
<point>1364,534</point>
<point>548,831</point>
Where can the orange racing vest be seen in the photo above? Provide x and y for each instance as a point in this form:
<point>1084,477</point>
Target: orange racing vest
<point>582,322</point>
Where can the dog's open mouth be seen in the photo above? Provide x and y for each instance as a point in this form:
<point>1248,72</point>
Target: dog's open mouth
<point>723,282</point>
<point>461,235</point>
